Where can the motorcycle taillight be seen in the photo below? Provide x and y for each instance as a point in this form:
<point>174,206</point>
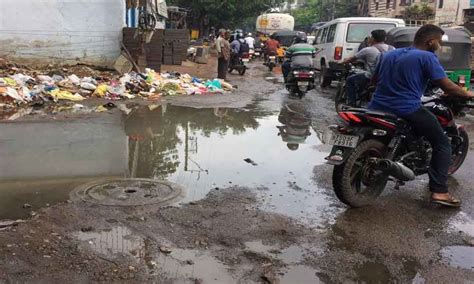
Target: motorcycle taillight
<point>303,74</point>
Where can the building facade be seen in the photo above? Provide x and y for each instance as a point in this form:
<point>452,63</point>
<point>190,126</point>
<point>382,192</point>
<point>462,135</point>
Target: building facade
<point>446,12</point>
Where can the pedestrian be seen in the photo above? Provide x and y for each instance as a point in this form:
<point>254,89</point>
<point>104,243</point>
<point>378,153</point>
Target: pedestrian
<point>223,54</point>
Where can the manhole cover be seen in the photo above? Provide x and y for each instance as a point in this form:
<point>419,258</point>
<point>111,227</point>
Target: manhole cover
<point>128,192</point>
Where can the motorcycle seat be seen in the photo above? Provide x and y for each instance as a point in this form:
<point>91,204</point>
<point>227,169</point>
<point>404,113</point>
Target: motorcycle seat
<point>381,114</point>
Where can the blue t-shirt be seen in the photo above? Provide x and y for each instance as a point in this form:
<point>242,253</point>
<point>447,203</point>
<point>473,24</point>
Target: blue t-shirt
<point>403,75</point>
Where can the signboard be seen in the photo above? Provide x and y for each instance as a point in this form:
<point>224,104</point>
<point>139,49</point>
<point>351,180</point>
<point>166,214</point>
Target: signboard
<point>163,9</point>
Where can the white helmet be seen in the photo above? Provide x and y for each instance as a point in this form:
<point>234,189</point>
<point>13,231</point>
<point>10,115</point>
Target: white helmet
<point>250,34</point>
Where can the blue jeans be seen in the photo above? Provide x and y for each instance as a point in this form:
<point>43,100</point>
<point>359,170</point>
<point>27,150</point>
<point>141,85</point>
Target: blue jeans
<point>354,84</point>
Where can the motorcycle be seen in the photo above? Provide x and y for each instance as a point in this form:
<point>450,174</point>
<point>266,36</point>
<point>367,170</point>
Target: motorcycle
<point>364,96</point>
<point>300,81</point>
<point>258,50</point>
<point>374,147</point>
<point>238,63</point>
<point>271,61</point>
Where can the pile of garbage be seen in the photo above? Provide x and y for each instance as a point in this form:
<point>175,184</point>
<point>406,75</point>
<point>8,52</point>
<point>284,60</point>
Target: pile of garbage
<point>21,88</point>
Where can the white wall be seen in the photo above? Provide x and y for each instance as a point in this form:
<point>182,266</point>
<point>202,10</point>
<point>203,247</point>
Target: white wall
<point>61,31</point>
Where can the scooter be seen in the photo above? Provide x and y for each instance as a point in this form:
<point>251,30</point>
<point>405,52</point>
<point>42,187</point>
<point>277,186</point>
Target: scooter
<point>300,81</point>
<point>271,61</point>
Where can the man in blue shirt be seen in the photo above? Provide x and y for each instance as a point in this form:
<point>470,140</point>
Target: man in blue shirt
<point>402,77</point>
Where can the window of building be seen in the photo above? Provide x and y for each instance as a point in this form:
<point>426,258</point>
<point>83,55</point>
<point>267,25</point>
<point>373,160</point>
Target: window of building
<point>388,4</point>
<point>441,4</point>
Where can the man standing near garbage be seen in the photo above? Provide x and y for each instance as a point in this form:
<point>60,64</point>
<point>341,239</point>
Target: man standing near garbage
<point>223,54</point>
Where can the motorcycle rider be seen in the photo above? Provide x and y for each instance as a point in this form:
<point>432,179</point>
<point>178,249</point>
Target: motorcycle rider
<point>235,47</point>
<point>250,41</point>
<point>402,77</point>
<point>369,55</point>
<point>299,55</point>
<point>271,47</point>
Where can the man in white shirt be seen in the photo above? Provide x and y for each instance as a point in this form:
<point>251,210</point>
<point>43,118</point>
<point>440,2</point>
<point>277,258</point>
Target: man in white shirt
<point>250,41</point>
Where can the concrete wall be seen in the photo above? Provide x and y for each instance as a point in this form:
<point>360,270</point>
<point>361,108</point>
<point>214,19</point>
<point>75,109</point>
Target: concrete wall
<point>452,11</point>
<point>61,31</point>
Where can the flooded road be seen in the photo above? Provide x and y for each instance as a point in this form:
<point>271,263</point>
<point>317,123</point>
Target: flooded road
<point>256,202</point>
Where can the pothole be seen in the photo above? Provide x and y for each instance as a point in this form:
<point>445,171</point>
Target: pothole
<point>128,192</point>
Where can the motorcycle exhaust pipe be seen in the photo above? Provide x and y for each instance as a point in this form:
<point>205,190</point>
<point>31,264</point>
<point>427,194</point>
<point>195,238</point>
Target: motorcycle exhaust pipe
<point>396,170</point>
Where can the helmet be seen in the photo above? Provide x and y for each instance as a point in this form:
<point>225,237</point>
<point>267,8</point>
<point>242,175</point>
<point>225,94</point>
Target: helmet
<point>293,146</point>
<point>250,34</point>
<point>301,38</point>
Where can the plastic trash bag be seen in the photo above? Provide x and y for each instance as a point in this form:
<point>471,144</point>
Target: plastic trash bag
<point>57,94</point>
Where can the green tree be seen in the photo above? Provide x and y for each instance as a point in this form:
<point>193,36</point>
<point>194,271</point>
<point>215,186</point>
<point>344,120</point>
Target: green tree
<point>415,12</point>
<point>324,10</point>
<point>308,14</point>
<point>225,13</point>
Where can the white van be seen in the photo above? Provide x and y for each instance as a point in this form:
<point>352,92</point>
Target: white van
<point>340,39</point>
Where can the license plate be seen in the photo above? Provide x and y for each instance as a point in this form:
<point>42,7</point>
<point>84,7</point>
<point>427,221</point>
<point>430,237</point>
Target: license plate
<point>349,141</point>
<point>303,83</point>
<point>245,60</point>
<point>257,53</point>
<point>272,57</point>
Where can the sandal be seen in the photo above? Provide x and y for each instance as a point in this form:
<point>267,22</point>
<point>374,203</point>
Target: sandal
<point>450,202</point>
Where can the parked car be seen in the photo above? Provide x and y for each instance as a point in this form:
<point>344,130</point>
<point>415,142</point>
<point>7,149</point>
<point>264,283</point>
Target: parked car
<point>340,39</point>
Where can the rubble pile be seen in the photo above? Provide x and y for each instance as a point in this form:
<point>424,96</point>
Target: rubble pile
<point>25,87</point>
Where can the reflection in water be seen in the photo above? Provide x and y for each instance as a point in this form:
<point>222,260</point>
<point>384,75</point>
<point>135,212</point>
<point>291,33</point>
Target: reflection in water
<point>63,149</point>
<point>203,149</point>
<point>42,161</point>
<point>296,123</point>
<point>118,240</point>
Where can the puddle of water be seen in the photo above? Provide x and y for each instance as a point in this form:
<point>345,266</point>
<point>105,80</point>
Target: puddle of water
<point>199,149</point>
<point>463,223</point>
<point>41,162</point>
<point>459,256</point>
<point>203,149</point>
<point>300,274</point>
<point>38,194</point>
<point>114,242</point>
<point>184,266</point>
<point>290,255</point>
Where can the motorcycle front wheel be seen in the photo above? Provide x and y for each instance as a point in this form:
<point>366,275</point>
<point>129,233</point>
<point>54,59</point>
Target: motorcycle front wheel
<point>459,154</point>
<point>357,182</point>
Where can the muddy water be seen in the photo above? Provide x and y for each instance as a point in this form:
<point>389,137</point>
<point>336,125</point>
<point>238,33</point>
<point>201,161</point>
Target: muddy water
<point>199,149</point>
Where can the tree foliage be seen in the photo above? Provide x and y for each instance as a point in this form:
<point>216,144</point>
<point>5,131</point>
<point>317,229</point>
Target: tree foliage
<point>224,13</point>
<point>415,12</point>
<point>324,10</point>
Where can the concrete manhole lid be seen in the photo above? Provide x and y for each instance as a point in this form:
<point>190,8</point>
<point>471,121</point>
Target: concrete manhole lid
<point>128,192</point>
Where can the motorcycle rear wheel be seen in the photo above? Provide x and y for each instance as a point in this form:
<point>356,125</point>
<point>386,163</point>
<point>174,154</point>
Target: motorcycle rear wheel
<point>341,98</point>
<point>356,173</point>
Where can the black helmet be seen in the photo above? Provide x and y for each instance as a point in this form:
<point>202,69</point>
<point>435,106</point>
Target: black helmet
<point>301,38</point>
